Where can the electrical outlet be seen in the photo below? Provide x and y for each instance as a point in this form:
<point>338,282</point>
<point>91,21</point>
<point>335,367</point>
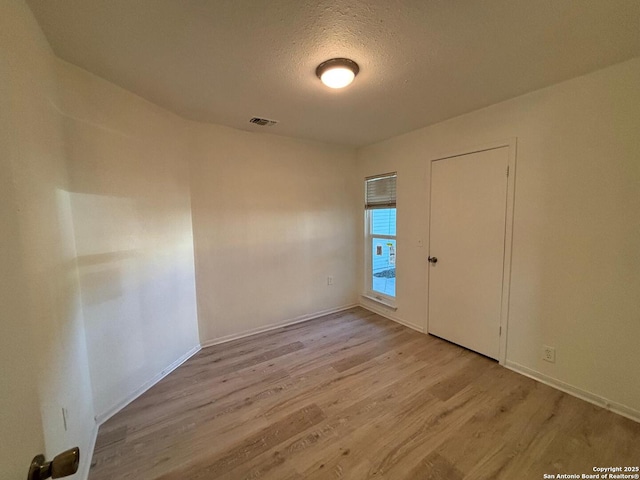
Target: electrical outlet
<point>548,354</point>
<point>329,280</point>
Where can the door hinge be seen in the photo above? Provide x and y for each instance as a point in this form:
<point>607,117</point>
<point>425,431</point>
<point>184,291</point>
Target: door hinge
<point>500,332</point>
<point>507,170</point>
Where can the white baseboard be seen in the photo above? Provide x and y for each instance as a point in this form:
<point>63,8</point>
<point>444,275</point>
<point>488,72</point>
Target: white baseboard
<point>87,457</point>
<point>384,313</point>
<point>603,402</point>
<point>104,416</point>
<point>273,326</point>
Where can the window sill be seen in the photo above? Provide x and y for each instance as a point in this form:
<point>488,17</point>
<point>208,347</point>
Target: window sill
<point>381,301</point>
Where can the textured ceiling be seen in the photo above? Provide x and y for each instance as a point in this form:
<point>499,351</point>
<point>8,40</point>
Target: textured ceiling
<point>422,61</point>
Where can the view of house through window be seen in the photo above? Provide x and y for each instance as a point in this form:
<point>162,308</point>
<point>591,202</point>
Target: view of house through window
<point>383,258</point>
<point>380,211</point>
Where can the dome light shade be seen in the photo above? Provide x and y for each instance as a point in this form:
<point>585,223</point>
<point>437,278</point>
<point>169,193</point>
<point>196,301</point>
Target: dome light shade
<point>337,72</point>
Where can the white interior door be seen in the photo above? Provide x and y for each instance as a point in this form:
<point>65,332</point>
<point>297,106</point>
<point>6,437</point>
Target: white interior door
<point>467,236</point>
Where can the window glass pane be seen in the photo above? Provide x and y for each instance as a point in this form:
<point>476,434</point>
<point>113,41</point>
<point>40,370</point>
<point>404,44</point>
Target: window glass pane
<point>383,266</point>
<point>383,221</point>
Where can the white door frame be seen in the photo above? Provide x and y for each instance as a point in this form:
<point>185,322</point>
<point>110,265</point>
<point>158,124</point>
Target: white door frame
<point>511,144</point>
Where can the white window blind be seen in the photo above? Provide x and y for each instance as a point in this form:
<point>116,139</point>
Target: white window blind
<point>381,191</point>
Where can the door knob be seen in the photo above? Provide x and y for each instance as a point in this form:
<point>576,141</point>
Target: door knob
<point>61,466</point>
<point>433,259</point>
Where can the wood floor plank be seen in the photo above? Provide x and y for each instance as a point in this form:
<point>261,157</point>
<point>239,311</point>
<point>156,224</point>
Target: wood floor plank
<point>354,396</point>
<point>436,467</point>
<point>253,445</point>
<point>348,421</point>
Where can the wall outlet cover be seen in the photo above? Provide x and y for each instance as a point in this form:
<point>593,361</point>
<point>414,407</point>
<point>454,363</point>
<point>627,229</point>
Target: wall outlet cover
<point>549,354</point>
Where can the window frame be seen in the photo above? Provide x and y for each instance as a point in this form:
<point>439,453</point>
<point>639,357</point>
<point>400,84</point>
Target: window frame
<point>369,236</point>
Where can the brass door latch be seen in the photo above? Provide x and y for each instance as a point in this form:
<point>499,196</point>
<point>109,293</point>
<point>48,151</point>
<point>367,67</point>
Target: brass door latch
<point>61,466</point>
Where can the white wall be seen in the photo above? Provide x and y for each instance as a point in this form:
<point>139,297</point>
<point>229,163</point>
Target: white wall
<point>129,192</point>
<point>272,218</point>
<point>21,429</point>
<point>98,287</point>
<point>43,351</point>
<point>576,255</point>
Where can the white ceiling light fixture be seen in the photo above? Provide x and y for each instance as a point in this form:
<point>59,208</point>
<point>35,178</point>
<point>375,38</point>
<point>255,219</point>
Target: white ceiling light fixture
<point>337,72</point>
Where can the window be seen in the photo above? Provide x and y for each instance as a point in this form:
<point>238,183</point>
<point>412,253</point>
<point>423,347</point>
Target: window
<point>380,237</point>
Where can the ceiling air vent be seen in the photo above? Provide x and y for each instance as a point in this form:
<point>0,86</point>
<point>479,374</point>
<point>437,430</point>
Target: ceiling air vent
<point>264,122</point>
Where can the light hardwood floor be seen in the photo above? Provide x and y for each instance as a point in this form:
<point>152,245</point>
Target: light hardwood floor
<point>353,395</point>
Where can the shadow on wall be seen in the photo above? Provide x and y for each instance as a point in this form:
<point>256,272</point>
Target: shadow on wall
<point>135,266</point>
